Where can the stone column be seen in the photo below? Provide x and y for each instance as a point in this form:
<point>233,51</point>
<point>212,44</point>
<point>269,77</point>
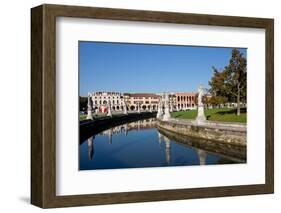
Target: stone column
<point>200,114</point>
<point>167,114</point>
<point>109,109</point>
<point>89,108</point>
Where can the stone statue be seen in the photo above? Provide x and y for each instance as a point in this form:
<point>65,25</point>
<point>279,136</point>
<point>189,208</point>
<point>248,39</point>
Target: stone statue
<point>167,114</point>
<point>200,114</point>
<point>109,109</point>
<point>160,110</point>
<point>89,108</point>
<point>200,95</point>
<point>125,108</point>
<point>139,110</point>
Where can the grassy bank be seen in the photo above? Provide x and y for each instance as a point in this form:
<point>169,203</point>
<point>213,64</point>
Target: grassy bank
<point>224,115</point>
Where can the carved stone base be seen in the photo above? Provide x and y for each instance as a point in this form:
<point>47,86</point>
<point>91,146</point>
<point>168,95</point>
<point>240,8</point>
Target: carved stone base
<point>90,115</point>
<point>200,115</point>
<point>167,114</point>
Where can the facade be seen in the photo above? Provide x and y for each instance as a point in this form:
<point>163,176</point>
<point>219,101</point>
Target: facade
<point>185,100</point>
<point>145,101</point>
<point>101,101</point>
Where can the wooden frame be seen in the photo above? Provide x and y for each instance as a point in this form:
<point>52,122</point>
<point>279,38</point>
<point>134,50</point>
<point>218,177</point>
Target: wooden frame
<point>43,105</point>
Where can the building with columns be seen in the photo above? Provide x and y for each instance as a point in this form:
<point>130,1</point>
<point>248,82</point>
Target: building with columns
<point>101,101</point>
<point>185,100</point>
<point>146,101</point>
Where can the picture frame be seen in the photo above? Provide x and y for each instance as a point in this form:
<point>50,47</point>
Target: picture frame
<point>43,105</point>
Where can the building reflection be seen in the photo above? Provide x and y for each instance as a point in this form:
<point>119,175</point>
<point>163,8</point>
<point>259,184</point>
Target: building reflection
<point>164,141</point>
<point>91,149</point>
<point>134,126</point>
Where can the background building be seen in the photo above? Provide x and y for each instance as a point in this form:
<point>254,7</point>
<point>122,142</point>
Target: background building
<point>185,100</point>
<point>101,100</point>
<point>146,101</point>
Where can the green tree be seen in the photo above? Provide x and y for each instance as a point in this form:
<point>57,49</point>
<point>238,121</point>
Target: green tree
<point>83,101</point>
<point>231,83</point>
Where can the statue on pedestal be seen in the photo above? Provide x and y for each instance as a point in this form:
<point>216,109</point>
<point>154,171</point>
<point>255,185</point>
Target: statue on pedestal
<point>167,114</point>
<point>160,110</point>
<point>109,109</point>
<point>200,114</point>
<point>139,108</point>
<point>89,108</point>
<point>125,108</point>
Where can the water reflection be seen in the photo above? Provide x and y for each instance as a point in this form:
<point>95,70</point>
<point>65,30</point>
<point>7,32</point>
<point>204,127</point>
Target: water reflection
<point>140,144</point>
<point>91,149</point>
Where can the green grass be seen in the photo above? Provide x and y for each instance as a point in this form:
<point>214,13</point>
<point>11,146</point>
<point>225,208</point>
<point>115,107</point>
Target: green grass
<point>224,115</point>
<point>82,117</point>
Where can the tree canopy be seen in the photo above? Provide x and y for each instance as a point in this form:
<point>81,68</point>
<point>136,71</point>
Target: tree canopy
<point>230,84</point>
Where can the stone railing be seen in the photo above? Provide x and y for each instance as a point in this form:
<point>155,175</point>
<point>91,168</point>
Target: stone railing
<point>216,131</point>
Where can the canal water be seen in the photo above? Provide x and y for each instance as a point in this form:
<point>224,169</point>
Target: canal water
<point>137,145</point>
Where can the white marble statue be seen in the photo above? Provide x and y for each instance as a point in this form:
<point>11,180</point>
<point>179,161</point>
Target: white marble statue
<point>139,110</point>
<point>160,110</point>
<point>200,114</point>
<point>89,108</point>
<point>167,114</point>
<point>125,108</point>
<point>109,109</point>
<point>200,95</point>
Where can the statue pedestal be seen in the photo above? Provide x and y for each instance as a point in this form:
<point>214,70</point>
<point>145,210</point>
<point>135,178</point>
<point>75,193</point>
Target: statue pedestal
<point>200,114</point>
<point>89,115</point>
<point>109,113</point>
<point>159,112</point>
<point>167,114</point>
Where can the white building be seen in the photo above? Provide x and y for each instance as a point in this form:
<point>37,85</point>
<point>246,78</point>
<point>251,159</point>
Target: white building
<point>101,100</point>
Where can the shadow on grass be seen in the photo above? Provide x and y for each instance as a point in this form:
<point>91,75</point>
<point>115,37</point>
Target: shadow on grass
<point>232,111</point>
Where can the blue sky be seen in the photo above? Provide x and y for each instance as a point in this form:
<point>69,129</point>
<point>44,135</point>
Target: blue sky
<point>124,67</point>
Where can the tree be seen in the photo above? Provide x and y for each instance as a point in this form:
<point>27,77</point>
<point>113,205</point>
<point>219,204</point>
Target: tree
<point>231,83</point>
<point>236,77</point>
<point>83,101</point>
